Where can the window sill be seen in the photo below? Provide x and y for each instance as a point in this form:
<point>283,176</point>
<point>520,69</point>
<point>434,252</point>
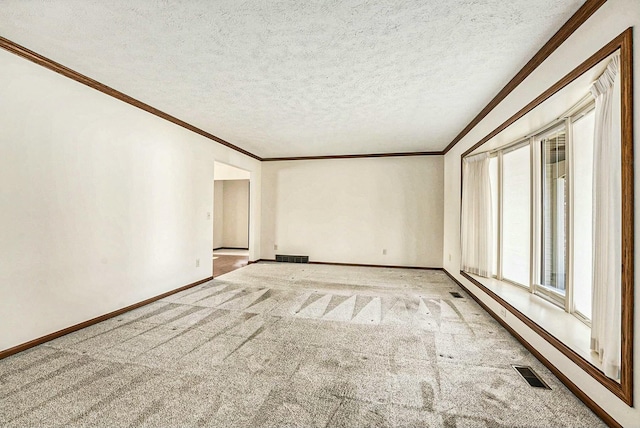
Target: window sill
<point>563,326</point>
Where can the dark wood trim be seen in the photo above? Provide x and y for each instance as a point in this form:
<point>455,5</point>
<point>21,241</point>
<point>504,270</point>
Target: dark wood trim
<point>623,42</point>
<point>76,327</point>
<point>375,266</point>
<point>81,78</point>
<point>628,199</point>
<point>585,11</point>
<point>231,248</point>
<point>371,155</point>
<point>594,59</point>
<point>578,18</point>
<point>56,67</point>
<point>358,265</point>
<point>599,411</point>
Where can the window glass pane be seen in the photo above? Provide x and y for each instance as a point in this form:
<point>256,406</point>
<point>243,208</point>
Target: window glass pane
<point>515,211</point>
<point>493,176</point>
<point>554,211</point>
<point>582,141</point>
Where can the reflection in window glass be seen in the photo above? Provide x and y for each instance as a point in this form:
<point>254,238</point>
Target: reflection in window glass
<point>582,141</point>
<point>554,211</point>
<point>515,212</point>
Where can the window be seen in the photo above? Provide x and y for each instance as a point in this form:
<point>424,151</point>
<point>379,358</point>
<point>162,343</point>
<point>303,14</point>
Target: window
<point>580,217</point>
<point>515,214</point>
<point>541,191</point>
<point>582,128</point>
<point>554,214</point>
<point>495,209</point>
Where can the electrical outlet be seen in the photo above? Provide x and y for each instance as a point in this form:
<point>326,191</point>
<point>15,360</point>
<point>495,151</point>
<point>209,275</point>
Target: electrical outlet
<point>503,312</point>
<point>197,262</point>
<point>384,251</point>
<point>275,246</point>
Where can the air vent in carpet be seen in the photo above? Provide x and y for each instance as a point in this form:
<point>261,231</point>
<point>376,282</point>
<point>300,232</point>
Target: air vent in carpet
<point>456,294</point>
<point>291,259</point>
<point>531,377</point>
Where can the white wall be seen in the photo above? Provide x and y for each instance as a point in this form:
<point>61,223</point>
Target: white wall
<point>218,213</point>
<point>102,205</point>
<point>609,21</point>
<point>228,172</point>
<point>235,233</point>
<point>349,210</point>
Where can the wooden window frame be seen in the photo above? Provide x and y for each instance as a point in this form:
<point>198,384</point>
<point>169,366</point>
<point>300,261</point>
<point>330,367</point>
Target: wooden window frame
<point>623,389</point>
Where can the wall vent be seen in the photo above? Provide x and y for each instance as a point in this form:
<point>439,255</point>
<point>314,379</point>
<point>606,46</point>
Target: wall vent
<point>531,377</point>
<point>291,259</point>
<point>456,294</point>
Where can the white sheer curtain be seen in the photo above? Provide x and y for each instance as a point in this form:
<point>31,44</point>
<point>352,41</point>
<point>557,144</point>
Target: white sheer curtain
<point>476,223</point>
<point>607,221</point>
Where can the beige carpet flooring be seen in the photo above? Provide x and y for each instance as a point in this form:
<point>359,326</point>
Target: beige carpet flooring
<point>275,345</point>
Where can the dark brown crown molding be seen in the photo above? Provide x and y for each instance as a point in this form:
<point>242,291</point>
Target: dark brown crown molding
<point>81,78</point>
<point>578,18</point>
<point>585,11</point>
<point>47,63</point>
<point>622,41</point>
<point>371,155</point>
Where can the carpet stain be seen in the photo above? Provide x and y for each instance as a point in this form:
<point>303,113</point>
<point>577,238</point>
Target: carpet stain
<point>427,396</point>
<point>449,421</point>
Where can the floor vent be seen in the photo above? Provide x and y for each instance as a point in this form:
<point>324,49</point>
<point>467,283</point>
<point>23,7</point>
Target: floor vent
<point>292,259</point>
<point>456,294</point>
<point>531,377</point>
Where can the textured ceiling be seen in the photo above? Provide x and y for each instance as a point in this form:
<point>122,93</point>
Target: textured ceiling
<point>296,78</point>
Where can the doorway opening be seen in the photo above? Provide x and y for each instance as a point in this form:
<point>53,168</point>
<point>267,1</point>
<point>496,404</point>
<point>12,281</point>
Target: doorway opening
<point>231,206</point>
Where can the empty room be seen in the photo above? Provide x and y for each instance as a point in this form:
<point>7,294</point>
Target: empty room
<point>318,214</point>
